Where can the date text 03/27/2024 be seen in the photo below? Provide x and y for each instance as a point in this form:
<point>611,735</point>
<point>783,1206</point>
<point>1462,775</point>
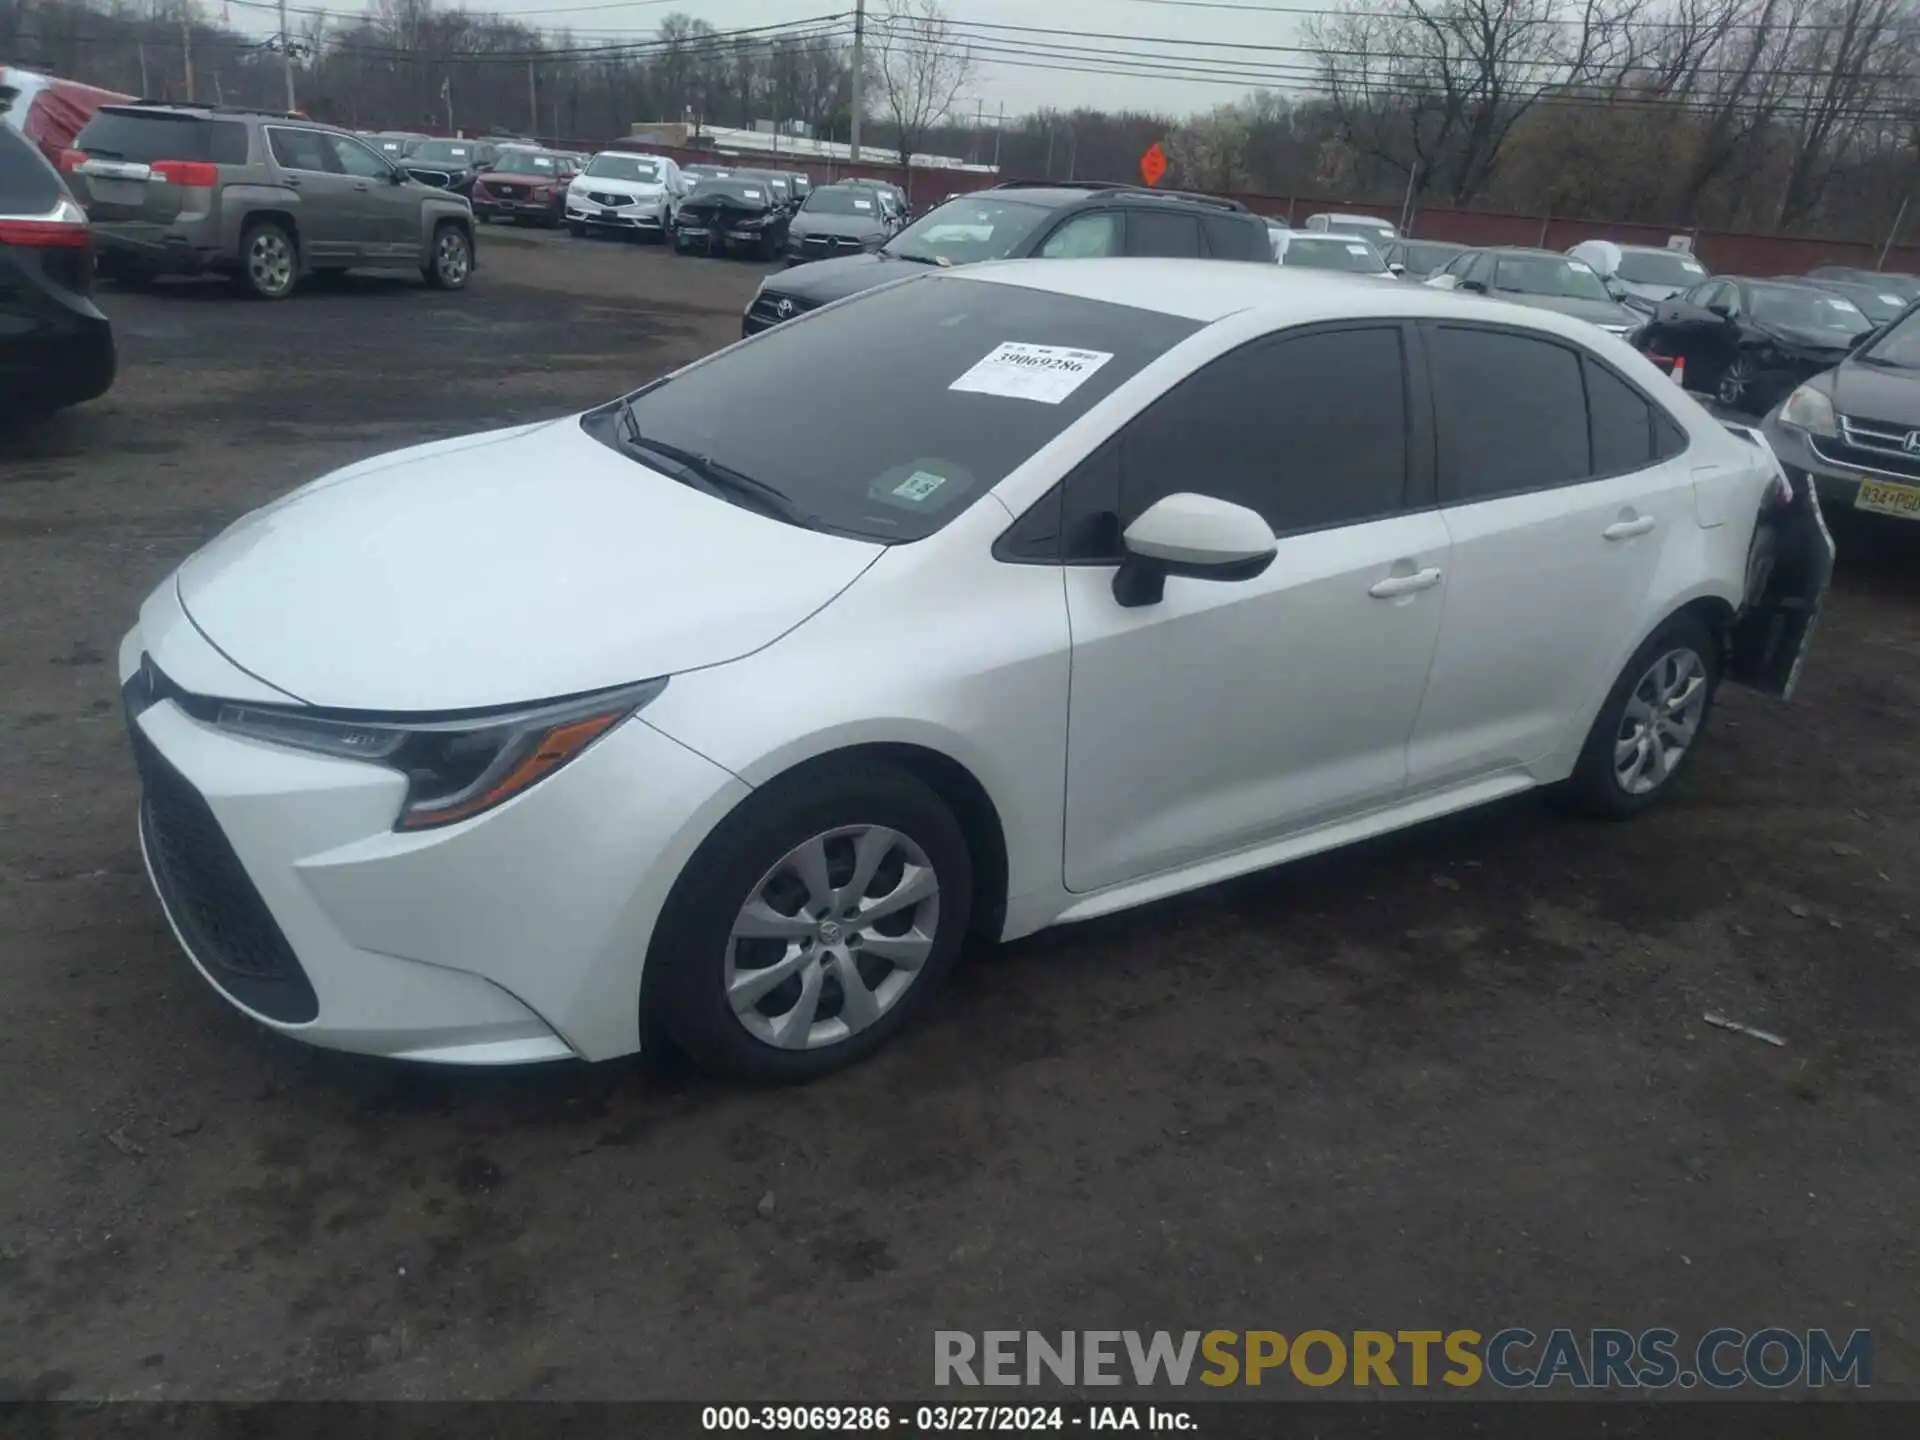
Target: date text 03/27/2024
<point>941,1419</point>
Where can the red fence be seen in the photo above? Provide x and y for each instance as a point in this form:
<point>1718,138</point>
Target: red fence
<point>1725,252</point>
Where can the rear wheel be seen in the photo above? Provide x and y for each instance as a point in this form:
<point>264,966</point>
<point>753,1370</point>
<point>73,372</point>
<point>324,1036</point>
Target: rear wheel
<point>816,921</point>
<point>1651,724</point>
<point>1737,383</point>
<point>128,274</point>
<point>575,229</point>
<point>269,261</point>
<point>451,263</point>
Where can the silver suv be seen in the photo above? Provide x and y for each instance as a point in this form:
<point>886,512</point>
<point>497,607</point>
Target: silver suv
<point>267,199</point>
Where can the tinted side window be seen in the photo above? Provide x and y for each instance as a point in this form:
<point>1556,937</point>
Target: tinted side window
<point>1620,420</point>
<point>1480,268</point>
<point>1310,431</point>
<point>1232,237</point>
<point>142,137</point>
<point>1669,439</point>
<point>1510,410</point>
<point>28,184</point>
<point>302,150</point>
<point>1150,233</point>
<point>1084,237</point>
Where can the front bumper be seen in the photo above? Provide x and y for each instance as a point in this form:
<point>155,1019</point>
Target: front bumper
<point>1837,481</point>
<point>646,220</point>
<point>500,207</point>
<point>515,937</point>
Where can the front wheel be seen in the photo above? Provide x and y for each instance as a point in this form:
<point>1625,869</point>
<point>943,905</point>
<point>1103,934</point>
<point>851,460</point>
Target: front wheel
<point>576,229</point>
<point>1736,386</point>
<point>451,263</point>
<point>816,921</point>
<point>1651,724</point>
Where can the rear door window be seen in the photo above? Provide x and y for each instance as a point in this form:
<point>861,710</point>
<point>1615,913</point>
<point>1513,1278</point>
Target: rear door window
<point>28,185</point>
<point>1084,237</point>
<point>142,137</point>
<point>1510,411</point>
<point>1151,233</point>
<point>302,150</point>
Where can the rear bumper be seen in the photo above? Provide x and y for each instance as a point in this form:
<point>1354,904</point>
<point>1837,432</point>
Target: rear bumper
<point>164,249</point>
<point>61,357</point>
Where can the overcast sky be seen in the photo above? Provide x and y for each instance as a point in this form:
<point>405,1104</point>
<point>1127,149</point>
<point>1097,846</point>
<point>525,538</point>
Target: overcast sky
<point>998,82</point>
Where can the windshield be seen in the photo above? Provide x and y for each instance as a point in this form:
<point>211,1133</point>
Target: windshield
<point>962,232</point>
<point>744,192</point>
<point>1548,275</point>
<point>1660,267</point>
<point>901,438</point>
<point>443,152</point>
<point>706,172</point>
<point>1879,306</point>
<point>1791,308</point>
<point>1425,259</point>
<point>1331,252</point>
<point>527,162</point>
<point>1372,229</point>
<point>841,202</point>
<point>625,167</point>
<point>394,146</point>
<point>1899,346</point>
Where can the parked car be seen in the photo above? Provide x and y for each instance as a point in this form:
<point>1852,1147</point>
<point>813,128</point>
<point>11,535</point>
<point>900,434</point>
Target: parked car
<point>702,170</point>
<point>264,198</point>
<point>892,198</point>
<point>1346,253</point>
<point>1854,430</point>
<point>837,220</point>
<point>1367,227</point>
<point>524,185</point>
<point>777,184</point>
<point>451,164</point>
<point>1639,276</point>
<point>1417,259</point>
<point>56,348</point>
<point>1907,285</point>
<point>621,192</point>
<point>728,216</point>
<point>1750,342</point>
<point>1878,303</point>
<point>1542,279</point>
<point>609,774</point>
<point>1051,222</point>
<point>49,110</point>
<point>803,185</point>
<point>395,145</point>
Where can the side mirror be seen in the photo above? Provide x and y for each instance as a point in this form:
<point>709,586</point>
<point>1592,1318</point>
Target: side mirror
<point>1478,287</point>
<point>1722,309</point>
<point>397,176</point>
<point>1195,536</point>
<point>1396,269</point>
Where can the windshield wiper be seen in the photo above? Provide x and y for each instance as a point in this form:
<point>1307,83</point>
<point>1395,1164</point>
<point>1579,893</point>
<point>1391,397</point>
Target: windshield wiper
<point>939,260</point>
<point>705,473</point>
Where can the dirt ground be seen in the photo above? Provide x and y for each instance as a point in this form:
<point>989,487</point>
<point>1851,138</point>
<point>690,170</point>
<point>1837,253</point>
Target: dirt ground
<point>1458,1079</point>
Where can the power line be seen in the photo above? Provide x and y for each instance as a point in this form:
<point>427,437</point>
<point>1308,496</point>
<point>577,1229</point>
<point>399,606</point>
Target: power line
<point>1249,7</point>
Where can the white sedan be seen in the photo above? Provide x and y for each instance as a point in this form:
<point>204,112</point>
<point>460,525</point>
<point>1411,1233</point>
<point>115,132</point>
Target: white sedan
<point>1086,584</point>
<point>620,191</point>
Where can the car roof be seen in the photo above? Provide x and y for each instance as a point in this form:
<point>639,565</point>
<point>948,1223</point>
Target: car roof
<point>1350,215</point>
<point>1210,290</point>
<point>1522,250</point>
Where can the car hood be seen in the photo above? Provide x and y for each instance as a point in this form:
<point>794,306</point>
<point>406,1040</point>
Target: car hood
<point>520,565</point>
<point>1815,340</point>
<point>858,227</point>
<point>828,280</point>
<point>1875,392</point>
<point>1600,312</point>
<point>641,189</point>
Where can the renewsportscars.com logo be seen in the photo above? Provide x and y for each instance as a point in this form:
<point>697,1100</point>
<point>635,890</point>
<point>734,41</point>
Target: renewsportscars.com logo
<point>1512,1359</point>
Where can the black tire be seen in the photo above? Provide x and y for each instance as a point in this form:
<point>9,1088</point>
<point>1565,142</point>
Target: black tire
<point>685,989</point>
<point>578,231</point>
<point>1595,788</point>
<point>330,277</point>
<point>129,274</point>
<point>274,272</point>
<point>440,270</point>
<point>485,217</point>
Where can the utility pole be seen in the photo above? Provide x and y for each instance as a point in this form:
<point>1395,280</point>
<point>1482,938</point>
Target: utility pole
<point>859,76</point>
<point>186,53</point>
<point>1049,148</point>
<point>996,135</point>
<point>533,103</point>
<point>146,89</point>
<point>286,55</point>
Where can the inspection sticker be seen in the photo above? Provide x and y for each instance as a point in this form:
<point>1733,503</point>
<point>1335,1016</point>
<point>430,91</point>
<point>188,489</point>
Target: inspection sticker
<point>1019,371</point>
<point>919,485</point>
<point>1356,247</point>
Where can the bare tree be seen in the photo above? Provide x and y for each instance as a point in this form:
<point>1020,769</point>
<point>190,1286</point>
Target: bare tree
<point>920,67</point>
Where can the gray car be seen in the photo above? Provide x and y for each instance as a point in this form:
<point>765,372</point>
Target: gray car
<point>838,220</point>
<point>1544,279</point>
<point>265,199</point>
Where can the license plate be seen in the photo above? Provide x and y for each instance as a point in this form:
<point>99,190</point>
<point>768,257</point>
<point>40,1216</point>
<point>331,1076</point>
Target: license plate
<point>694,234</point>
<point>119,192</point>
<point>1884,499</point>
<point>743,235</point>
<point>609,214</point>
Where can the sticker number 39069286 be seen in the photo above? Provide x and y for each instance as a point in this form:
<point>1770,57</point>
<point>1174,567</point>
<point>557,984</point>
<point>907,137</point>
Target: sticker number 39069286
<point>1021,371</point>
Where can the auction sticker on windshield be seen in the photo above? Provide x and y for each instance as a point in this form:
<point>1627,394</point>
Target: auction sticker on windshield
<point>1356,249</point>
<point>1020,371</point>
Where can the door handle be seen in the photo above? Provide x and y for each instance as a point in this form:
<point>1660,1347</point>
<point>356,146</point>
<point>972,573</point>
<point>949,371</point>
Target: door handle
<point>292,182</point>
<point>1627,529</point>
<point>362,187</point>
<point>1397,585</point>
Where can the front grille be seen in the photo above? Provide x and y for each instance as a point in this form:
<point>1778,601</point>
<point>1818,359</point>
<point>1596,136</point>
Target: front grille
<point>210,897</point>
<point>767,307</point>
<point>611,202</point>
<point>1872,445</point>
<point>827,243</point>
<point>432,177</point>
<point>510,192</point>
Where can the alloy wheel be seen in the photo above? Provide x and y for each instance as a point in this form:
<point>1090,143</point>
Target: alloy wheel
<point>450,256</point>
<point>832,937</point>
<point>1734,383</point>
<point>270,262</point>
<point>1661,719</point>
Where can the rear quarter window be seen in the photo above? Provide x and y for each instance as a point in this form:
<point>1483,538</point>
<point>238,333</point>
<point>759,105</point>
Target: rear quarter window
<point>1232,237</point>
<point>142,138</point>
<point>28,184</point>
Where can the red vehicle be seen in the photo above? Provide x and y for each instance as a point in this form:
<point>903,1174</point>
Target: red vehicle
<point>50,111</point>
<point>525,185</point>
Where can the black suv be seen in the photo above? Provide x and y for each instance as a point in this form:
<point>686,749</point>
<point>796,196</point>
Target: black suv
<point>1015,221</point>
<point>1855,429</point>
<point>56,348</point>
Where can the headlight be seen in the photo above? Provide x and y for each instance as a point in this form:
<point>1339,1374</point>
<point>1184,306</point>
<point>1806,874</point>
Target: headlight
<point>1811,410</point>
<point>455,769</point>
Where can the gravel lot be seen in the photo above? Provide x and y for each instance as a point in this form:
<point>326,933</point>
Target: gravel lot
<point>1456,1079</point>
